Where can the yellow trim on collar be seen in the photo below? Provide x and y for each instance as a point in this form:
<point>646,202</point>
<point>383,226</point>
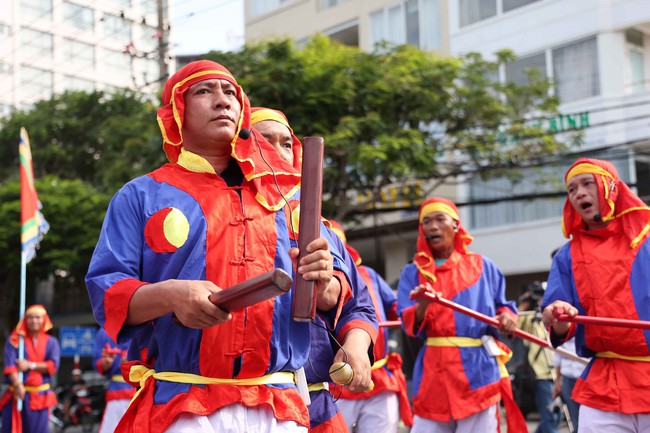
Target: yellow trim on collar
<point>193,162</point>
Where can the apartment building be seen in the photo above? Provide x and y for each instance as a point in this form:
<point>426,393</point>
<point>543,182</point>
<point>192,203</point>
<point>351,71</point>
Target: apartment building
<point>596,53</point>
<point>50,46</point>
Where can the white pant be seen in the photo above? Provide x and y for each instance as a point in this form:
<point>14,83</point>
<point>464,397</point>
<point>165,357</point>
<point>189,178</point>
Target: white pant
<point>112,414</point>
<point>234,418</point>
<point>377,414</point>
<point>600,421</point>
<point>485,421</point>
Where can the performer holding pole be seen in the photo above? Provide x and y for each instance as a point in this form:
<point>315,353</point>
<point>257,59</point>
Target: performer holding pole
<point>603,271</point>
<point>462,362</point>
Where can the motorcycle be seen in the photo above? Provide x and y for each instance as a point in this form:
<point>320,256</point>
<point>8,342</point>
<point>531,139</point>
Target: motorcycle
<point>85,410</point>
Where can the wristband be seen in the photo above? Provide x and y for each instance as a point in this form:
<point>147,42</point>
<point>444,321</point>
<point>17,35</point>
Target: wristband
<point>32,366</point>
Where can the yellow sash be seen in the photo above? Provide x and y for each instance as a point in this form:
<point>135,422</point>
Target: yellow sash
<point>117,378</point>
<point>140,374</point>
<point>619,356</point>
<point>43,387</point>
<point>318,386</point>
<point>454,342</point>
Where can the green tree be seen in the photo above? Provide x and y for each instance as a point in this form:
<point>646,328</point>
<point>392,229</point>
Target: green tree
<point>102,139</point>
<point>75,210</point>
<point>397,113</point>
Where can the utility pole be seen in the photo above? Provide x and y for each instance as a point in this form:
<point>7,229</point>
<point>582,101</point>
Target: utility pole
<point>162,42</point>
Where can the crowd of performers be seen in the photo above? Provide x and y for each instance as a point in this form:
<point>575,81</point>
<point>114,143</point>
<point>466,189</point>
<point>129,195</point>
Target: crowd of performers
<point>226,209</point>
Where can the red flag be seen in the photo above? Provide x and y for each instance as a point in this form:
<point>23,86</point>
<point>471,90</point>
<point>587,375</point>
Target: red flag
<point>33,225</point>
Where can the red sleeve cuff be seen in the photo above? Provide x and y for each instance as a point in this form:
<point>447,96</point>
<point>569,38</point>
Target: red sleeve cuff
<point>116,304</point>
<point>98,366</point>
<point>408,321</point>
<point>357,324</point>
<point>51,367</point>
<point>507,310</point>
<point>11,369</point>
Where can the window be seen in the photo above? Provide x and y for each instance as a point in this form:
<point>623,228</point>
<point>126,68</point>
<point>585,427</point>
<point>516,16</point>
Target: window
<point>261,7</point>
<point>5,68</point>
<point>509,5</point>
<point>149,40</point>
<point>73,83</point>
<point>326,4</point>
<point>117,28</point>
<point>78,53</point>
<point>40,9</point>
<point>636,71</point>
<point>36,84</point>
<point>531,183</point>
<point>116,64</point>
<point>472,11</point>
<point>150,7</point>
<point>415,22</point>
<point>5,30</point>
<point>5,110</point>
<point>575,71</point>
<point>35,44</point>
<point>78,16</point>
<point>517,71</point>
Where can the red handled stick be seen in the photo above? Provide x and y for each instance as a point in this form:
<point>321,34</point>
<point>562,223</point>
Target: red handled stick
<point>494,322</point>
<point>483,318</point>
<point>605,321</point>
<point>311,191</point>
<point>390,324</point>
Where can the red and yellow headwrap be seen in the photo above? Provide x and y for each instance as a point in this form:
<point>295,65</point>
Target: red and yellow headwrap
<point>338,229</point>
<point>260,114</point>
<point>273,178</point>
<point>424,259</point>
<point>616,200</point>
<point>21,327</point>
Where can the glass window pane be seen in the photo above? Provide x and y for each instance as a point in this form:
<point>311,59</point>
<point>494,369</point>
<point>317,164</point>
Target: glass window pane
<point>40,9</point>
<point>36,84</point>
<point>431,24</point>
<point>78,53</point>
<point>575,71</point>
<point>516,72</point>
<point>35,44</point>
<point>78,16</point>
<point>412,22</point>
<point>117,28</point>
<point>72,83</point>
<point>637,75</point>
<point>395,30</point>
<point>472,11</point>
<point>509,5</point>
<point>377,27</point>
<point>116,64</point>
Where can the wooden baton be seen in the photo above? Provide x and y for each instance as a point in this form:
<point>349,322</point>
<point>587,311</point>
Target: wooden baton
<point>311,191</point>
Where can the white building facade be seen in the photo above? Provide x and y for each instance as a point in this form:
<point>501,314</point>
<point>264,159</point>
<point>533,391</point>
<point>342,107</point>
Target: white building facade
<point>596,52</point>
<point>50,46</point>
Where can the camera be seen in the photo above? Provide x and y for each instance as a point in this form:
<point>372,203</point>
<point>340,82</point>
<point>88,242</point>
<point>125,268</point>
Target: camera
<point>556,405</point>
<point>533,293</point>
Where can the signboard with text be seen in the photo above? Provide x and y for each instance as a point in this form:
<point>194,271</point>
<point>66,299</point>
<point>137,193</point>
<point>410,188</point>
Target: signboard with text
<point>77,340</point>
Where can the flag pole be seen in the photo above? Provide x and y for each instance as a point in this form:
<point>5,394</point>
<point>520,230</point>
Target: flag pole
<point>21,339</point>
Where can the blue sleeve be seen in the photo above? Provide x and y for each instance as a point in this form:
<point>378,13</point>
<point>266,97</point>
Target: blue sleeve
<point>53,351</point>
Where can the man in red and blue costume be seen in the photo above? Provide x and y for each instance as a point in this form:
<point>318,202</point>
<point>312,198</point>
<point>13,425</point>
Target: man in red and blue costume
<point>211,218</point>
<point>604,271</point>
<point>42,355</point>
<point>458,379</point>
<point>324,414</point>
<point>380,409</point>
<point>108,357</point>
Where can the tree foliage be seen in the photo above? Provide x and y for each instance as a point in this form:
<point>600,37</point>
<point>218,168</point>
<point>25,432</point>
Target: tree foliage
<point>397,113</point>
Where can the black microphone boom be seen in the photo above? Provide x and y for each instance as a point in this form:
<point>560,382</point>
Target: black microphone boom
<point>244,133</point>
<point>598,218</point>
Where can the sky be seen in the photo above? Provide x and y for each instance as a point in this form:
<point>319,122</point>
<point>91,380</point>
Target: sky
<point>199,26</point>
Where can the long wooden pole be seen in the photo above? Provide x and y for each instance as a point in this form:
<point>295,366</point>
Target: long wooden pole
<point>311,192</point>
<point>494,322</point>
<point>605,321</point>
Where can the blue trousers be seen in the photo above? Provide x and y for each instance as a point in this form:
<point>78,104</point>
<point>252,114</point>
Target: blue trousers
<point>548,420</point>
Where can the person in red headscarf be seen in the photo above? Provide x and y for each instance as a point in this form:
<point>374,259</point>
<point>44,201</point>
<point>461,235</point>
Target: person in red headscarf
<point>604,271</point>
<point>459,377</point>
<point>380,409</point>
<point>324,414</point>
<point>42,354</point>
<point>210,219</point>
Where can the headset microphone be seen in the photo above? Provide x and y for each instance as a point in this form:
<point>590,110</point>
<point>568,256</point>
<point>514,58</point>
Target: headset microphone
<point>428,238</point>
<point>244,133</point>
<point>598,218</point>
